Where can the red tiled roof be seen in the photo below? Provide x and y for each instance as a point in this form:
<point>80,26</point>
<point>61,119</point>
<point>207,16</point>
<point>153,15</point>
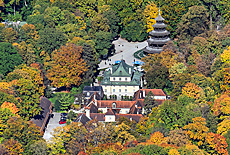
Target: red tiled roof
<point>98,116</point>
<point>156,92</point>
<point>119,104</point>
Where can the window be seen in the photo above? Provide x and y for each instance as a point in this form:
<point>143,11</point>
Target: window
<point>119,79</point>
<point>114,79</point>
<point>126,90</point>
<point>88,93</point>
<point>125,79</point>
<point>119,90</point>
<point>105,86</point>
<point>113,90</point>
<point>125,86</point>
<point>105,90</point>
<point>114,105</point>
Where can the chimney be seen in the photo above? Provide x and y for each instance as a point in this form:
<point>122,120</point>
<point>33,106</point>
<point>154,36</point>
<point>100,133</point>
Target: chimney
<point>129,70</point>
<point>87,113</point>
<point>95,99</point>
<point>144,93</point>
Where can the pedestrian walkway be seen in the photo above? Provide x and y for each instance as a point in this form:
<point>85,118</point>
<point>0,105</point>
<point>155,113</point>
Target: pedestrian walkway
<point>125,50</point>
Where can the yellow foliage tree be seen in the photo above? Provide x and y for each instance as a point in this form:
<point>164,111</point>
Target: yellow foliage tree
<point>150,13</point>
<point>192,90</point>
<point>197,131</point>
<point>223,126</point>
<point>226,55</point>
<point>157,138</point>
<point>173,152</point>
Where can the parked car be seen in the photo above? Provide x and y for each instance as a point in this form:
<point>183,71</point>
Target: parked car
<point>62,121</point>
<point>63,114</point>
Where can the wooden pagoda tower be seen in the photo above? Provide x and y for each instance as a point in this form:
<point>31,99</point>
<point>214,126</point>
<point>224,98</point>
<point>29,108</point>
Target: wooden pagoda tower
<point>158,37</point>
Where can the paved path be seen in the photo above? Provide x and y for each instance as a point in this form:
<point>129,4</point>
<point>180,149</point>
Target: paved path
<point>53,123</point>
<point>123,49</point>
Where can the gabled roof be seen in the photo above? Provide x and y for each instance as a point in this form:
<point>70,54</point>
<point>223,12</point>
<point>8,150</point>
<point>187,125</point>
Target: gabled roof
<point>156,92</point>
<point>92,107</point>
<point>97,97</point>
<point>41,119</point>
<point>109,112</point>
<point>82,118</point>
<point>122,70</point>
<point>119,104</point>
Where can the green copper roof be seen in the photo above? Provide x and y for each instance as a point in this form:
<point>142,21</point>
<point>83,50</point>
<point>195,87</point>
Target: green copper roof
<point>122,70</point>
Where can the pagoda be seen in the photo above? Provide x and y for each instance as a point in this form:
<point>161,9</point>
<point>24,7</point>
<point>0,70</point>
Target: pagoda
<point>158,37</point>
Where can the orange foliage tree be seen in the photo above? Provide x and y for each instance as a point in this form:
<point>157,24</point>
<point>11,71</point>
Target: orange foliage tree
<point>221,106</point>
<point>13,147</point>
<point>216,144</point>
<point>197,131</point>
<point>67,66</point>
<point>11,106</point>
<point>223,126</point>
<point>30,33</point>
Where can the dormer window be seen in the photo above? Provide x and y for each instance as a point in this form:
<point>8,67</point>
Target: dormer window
<point>113,79</point>
<point>114,105</point>
<point>88,93</point>
<point>119,79</point>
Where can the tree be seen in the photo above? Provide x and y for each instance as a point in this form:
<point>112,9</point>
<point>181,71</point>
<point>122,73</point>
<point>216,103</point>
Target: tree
<point>103,43</point>
<point>194,22</point>
<point>192,90</point>
<point>9,58</point>
<point>223,126</point>
<point>150,13</point>
<point>157,77</point>
<point>65,101</point>
<point>22,131</point>
<point>221,106</point>
<point>197,131</point>
<point>177,68</point>
<point>134,31</point>
<point>88,54</point>
<point>99,23</point>
<point>157,138</point>
<point>149,103</point>
<point>9,35</point>
<point>51,39</point>
<point>29,105</point>
<point>221,81</point>
<point>123,134</point>
<point>68,67</point>
<point>114,21</point>
<point>39,147</point>
<point>13,147</point>
<point>178,137</point>
<point>28,34</point>
<point>226,55</point>
<point>216,144</point>
<point>27,52</point>
<point>11,106</point>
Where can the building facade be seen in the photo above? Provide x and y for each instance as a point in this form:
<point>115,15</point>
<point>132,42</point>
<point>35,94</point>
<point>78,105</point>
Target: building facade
<point>121,80</point>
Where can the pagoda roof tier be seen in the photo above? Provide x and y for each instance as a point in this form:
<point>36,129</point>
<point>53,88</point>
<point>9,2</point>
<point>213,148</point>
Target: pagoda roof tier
<point>158,25</point>
<point>152,50</point>
<point>159,18</point>
<point>154,41</point>
<point>159,33</point>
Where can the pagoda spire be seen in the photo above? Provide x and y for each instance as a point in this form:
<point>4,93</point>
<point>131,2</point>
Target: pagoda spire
<point>159,36</point>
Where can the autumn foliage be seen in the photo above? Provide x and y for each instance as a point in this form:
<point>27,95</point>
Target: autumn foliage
<point>67,66</point>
